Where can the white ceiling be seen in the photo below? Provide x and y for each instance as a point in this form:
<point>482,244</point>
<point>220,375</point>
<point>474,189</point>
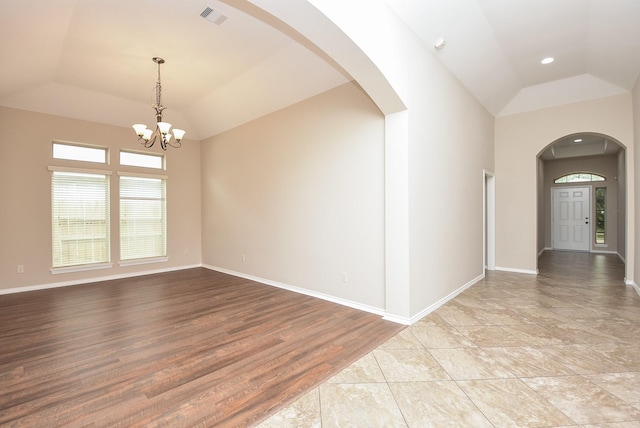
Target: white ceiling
<point>578,145</point>
<point>91,59</point>
<point>495,47</point>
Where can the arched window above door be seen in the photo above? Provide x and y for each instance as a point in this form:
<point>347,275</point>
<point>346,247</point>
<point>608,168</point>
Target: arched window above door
<point>579,177</point>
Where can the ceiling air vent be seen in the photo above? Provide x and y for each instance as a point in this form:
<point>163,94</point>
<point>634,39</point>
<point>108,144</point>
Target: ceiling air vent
<point>213,16</point>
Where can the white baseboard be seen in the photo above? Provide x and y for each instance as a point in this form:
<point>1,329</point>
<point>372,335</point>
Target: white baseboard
<point>333,299</point>
<point>621,258</point>
<point>349,303</point>
<point>90,280</point>
<point>340,301</point>
<point>633,284</point>
<point>442,301</point>
<point>516,270</point>
<point>544,249</point>
<point>396,319</point>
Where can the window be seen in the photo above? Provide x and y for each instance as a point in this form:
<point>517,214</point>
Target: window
<point>579,177</point>
<point>142,217</point>
<point>80,218</point>
<point>601,199</point>
<point>141,159</point>
<point>79,153</point>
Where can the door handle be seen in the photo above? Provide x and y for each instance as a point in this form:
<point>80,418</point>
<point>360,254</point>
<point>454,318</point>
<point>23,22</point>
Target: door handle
<point>586,222</point>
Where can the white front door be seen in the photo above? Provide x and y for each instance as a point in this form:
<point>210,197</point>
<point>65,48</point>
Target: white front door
<point>571,222</point>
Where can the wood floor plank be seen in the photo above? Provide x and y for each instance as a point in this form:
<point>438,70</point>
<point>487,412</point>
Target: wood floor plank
<point>185,348</point>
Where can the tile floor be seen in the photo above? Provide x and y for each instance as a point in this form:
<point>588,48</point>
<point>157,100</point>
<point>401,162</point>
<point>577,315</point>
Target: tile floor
<point>558,349</point>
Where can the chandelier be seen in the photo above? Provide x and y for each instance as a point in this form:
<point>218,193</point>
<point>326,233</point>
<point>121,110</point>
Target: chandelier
<point>148,137</point>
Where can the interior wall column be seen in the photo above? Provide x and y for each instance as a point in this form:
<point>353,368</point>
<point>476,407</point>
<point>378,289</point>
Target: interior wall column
<point>397,266</point>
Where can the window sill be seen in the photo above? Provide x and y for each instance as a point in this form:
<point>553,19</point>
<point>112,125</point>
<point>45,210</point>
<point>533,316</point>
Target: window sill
<point>72,269</point>
<point>142,261</point>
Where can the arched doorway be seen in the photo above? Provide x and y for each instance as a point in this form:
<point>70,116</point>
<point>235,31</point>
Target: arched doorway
<point>593,166</point>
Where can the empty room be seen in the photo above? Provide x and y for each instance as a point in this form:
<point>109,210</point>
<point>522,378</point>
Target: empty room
<point>318,214</point>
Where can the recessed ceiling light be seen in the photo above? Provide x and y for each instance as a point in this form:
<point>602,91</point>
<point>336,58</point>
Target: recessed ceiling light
<point>578,140</point>
<point>547,60</point>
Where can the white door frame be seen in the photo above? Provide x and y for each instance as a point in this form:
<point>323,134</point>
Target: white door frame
<point>489,220</point>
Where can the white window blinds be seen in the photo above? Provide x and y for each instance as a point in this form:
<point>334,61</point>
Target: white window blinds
<point>80,218</point>
<point>142,217</point>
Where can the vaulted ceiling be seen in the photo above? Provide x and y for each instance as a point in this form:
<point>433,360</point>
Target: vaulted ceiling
<point>91,59</point>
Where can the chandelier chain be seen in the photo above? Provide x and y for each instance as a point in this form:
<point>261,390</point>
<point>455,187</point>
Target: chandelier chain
<point>158,89</point>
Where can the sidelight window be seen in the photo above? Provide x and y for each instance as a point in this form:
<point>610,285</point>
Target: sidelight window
<point>601,195</point>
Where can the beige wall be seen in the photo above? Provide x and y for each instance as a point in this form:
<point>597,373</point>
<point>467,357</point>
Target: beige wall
<point>300,193</point>
<point>25,186</point>
<point>622,204</point>
<point>606,166</point>
<point>519,140</point>
<point>543,206</point>
<point>450,146</point>
<point>634,163</point>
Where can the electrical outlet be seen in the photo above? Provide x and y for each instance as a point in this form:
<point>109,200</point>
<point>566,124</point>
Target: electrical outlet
<point>244,259</point>
<point>345,277</point>
<point>20,269</point>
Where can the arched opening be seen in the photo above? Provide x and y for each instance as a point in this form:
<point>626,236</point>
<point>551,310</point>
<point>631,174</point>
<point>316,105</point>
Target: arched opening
<point>582,190</point>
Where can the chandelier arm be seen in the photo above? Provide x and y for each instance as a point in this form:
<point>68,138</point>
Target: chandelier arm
<point>151,141</point>
<point>147,143</point>
<point>174,143</point>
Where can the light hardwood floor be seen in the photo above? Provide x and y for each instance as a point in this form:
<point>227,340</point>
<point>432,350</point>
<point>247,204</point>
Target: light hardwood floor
<point>558,349</point>
<point>180,349</point>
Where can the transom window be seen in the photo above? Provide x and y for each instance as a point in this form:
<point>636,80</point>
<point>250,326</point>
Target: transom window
<point>79,152</point>
<point>579,177</point>
<point>143,160</point>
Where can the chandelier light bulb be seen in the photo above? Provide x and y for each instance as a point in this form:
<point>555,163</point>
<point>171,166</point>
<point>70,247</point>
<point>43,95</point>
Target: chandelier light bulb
<point>178,134</point>
<point>139,128</point>
<point>146,134</point>
<point>164,127</point>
